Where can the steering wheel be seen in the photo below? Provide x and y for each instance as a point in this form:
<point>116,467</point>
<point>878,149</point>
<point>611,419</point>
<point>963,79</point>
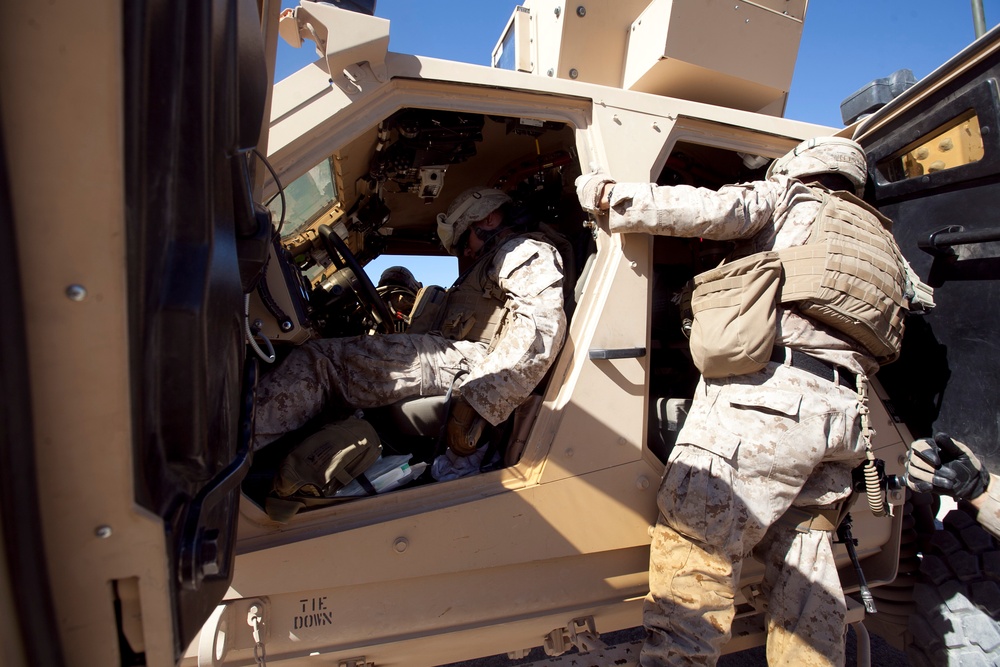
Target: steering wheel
<point>366,292</point>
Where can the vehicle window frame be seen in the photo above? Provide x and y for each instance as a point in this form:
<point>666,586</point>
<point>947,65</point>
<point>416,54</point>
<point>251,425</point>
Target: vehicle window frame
<point>983,100</point>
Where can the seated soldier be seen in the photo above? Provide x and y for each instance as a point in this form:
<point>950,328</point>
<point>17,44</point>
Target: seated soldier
<point>495,336</point>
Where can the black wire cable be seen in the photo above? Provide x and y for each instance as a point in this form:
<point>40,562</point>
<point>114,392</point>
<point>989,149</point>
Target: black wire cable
<point>281,189</point>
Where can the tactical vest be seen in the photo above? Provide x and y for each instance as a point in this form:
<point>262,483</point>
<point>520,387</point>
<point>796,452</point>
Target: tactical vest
<point>475,306</point>
<point>850,275</point>
<point>473,309</point>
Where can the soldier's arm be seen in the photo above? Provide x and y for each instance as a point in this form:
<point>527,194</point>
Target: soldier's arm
<point>732,212</point>
<point>529,339</point>
<point>988,506</point>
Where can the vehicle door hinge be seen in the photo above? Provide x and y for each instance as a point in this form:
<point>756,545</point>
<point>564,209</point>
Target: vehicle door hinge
<point>581,633</point>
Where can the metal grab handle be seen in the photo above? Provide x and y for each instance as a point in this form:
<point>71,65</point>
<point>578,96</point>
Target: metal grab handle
<point>618,353</point>
<point>941,241</point>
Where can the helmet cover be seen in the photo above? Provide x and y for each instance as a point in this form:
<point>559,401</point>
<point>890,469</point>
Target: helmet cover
<point>824,155</point>
<point>470,206</point>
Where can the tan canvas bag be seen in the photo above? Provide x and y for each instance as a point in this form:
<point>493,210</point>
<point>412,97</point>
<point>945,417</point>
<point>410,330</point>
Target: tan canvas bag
<point>735,316</point>
<point>328,460</point>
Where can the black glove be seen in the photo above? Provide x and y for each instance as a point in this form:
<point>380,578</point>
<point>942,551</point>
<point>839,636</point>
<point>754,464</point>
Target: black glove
<point>464,428</point>
<point>945,466</point>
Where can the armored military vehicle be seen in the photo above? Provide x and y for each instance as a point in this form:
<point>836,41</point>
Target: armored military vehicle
<point>173,225</point>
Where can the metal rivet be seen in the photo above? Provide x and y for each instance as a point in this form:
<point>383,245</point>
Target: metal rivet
<point>642,483</point>
<point>581,11</point>
<point>558,11</point>
<point>656,127</point>
<point>400,544</point>
<point>622,441</point>
<point>103,532</point>
<point>76,292</point>
<point>570,453</point>
<point>551,71</point>
<point>573,73</point>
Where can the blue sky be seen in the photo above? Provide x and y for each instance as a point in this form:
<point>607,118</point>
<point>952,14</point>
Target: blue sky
<point>845,44</point>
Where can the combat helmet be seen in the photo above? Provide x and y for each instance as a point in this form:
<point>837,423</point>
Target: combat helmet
<point>824,155</point>
<point>399,276</point>
<point>470,206</point>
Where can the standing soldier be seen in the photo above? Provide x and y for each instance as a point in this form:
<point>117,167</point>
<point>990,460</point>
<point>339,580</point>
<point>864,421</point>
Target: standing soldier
<point>494,337</point>
<point>765,455</point>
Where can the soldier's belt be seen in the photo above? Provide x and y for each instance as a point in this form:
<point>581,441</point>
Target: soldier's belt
<point>817,367</point>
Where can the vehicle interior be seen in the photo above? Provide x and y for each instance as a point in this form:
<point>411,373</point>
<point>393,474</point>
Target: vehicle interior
<point>379,195</point>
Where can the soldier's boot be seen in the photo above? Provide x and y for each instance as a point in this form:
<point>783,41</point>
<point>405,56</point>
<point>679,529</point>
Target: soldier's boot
<point>689,610</point>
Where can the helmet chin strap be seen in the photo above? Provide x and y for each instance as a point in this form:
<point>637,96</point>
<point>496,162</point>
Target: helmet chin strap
<point>488,237</point>
<point>462,208</point>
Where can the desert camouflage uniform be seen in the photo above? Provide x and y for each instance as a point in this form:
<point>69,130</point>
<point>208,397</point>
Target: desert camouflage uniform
<point>371,371</point>
<point>989,507</point>
<point>751,447</point>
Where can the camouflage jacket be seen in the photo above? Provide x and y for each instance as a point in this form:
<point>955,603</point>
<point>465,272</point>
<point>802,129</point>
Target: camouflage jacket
<point>773,214</point>
<point>989,507</point>
<point>529,274</point>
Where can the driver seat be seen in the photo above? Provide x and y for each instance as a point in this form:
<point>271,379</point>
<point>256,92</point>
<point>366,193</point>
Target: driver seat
<point>419,415</point>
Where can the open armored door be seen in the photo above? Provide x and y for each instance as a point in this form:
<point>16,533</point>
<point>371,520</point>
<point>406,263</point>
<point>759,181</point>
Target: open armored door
<point>935,156</point>
<point>196,88</point>
<point>129,131</point>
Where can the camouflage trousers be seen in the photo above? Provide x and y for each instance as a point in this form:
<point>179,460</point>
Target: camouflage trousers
<point>358,372</point>
<point>750,448</point>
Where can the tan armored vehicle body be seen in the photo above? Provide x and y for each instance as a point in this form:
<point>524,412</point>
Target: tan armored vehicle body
<point>143,533</point>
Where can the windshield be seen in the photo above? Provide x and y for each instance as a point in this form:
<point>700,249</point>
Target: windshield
<point>305,199</point>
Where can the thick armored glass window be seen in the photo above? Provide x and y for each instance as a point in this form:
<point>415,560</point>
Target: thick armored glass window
<point>306,198</point>
<point>505,54</point>
<point>513,50</point>
<point>958,142</point>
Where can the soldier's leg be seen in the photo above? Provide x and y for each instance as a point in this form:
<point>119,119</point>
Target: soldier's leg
<point>358,372</point>
<point>694,561</point>
<point>810,466</point>
<point>806,609</point>
<point>806,623</point>
<point>746,450</point>
<point>689,608</point>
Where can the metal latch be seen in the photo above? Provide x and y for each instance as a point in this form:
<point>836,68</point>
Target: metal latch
<point>581,633</point>
<point>221,632</point>
<point>255,619</point>
<point>355,662</point>
<point>754,594</point>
